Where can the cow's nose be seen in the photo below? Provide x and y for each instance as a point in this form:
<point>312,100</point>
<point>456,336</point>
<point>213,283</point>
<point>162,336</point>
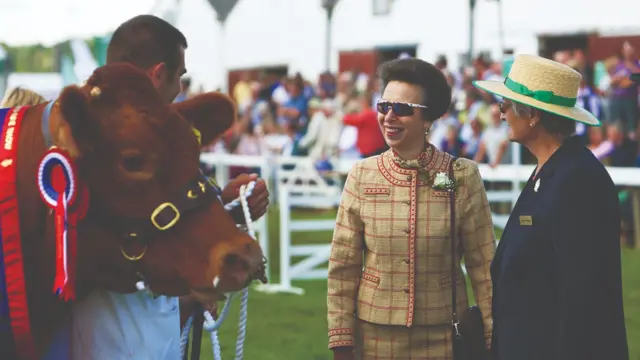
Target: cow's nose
<point>242,264</point>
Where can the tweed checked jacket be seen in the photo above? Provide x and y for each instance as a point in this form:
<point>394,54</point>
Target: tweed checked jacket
<point>390,259</point>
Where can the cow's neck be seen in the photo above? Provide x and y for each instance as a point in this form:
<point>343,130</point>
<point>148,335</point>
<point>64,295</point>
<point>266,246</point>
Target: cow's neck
<point>38,245</point>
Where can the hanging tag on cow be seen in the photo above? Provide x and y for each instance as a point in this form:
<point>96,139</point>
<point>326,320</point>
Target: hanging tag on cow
<point>68,198</point>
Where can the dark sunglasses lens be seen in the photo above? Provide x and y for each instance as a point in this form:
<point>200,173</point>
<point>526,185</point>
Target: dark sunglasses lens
<point>383,107</point>
<point>399,109</point>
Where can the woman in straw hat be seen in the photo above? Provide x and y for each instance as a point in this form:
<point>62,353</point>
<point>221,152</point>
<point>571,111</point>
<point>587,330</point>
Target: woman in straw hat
<point>556,273</point>
<point>392,268</point>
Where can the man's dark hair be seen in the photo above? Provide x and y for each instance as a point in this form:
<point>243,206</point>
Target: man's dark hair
<point>436,90</point>
<point>145,41</point>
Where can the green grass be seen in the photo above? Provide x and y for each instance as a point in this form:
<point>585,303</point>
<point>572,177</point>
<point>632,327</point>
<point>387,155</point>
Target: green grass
<point>292,327</point>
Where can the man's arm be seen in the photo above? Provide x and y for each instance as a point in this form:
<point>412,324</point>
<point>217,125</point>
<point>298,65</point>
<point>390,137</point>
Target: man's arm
<point>501,150</point>
<point>482,149</point>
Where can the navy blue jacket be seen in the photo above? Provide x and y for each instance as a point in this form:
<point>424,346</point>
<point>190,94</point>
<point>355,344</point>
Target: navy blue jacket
<point>557,284</point>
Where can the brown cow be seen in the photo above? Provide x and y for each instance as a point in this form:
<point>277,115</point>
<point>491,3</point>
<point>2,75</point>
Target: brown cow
<point>134,153</point>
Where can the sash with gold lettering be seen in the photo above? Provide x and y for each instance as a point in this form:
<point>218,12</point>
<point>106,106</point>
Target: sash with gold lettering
<point>15,329</point>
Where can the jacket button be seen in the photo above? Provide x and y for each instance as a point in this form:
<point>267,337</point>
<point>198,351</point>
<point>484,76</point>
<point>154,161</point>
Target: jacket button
<point>405,289</point>
<point>409,177</point>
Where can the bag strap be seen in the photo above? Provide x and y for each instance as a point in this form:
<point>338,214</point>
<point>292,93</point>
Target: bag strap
<point>452,202</point>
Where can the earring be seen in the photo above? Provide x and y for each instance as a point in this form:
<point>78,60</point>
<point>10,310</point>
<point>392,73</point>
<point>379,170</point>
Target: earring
<point>531,124</point>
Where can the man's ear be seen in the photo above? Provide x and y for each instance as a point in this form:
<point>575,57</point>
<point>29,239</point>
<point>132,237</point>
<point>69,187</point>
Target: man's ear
<point>157,74</point>
<point>73,123</point>
<point>211,113</point>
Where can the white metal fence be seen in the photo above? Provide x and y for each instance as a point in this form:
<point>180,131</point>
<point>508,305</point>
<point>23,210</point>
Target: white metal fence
<point>305,187</point>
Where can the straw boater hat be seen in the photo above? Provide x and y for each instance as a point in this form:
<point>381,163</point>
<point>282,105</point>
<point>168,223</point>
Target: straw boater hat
<point>543,84</point>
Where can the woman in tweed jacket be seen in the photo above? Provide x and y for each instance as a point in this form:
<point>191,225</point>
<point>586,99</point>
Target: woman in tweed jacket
<point>389,287</point>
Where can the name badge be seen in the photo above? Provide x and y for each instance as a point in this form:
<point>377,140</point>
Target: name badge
<point>526,220</point>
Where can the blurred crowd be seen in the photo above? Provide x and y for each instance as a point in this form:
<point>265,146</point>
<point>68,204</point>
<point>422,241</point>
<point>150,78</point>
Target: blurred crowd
<point>335,116</point>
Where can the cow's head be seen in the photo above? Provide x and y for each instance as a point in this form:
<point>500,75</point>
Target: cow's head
<point>151,211</point>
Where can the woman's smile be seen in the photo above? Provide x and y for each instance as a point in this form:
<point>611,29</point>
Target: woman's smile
<point>392,132</point>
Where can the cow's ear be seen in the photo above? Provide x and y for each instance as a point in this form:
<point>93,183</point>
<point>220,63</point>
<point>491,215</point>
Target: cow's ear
<point>72,130</point>
<point>211,113</point>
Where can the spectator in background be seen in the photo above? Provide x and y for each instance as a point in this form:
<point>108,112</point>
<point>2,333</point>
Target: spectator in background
<point>476,108</point>
<point>280,91</point>
<point>623,149</point>
<point>294,110</point>
<point>597,144</point>
<point>322,136</point>
<point>472,145</point>
<point>249,144</point>
<point>242,91</point>
<point>452,144</point>
<point>604,89</point>
<point>495,141</point>
<point>589,100</point>
<point>321,139</point>
<point>624,99</point>
<point>308,90</point>
<point>294,113</point>
<point>369,139</point>
<point>438,132</point>
<point>327,83</point>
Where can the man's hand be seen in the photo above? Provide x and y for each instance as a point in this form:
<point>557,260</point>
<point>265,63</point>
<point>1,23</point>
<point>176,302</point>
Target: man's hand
<point>258,201</point>
<point>188,305</point>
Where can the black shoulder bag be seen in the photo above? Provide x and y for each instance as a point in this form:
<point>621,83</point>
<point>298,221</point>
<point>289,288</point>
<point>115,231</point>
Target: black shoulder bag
<point>467,330</point>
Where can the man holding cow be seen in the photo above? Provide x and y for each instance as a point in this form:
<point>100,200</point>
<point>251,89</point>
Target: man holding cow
<point>108,325</point>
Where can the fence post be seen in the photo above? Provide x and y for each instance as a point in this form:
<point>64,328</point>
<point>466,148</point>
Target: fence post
<point>265,170</point>
<point>285,237</point>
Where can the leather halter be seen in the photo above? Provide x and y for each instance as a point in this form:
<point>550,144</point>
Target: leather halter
<point>196,193</point>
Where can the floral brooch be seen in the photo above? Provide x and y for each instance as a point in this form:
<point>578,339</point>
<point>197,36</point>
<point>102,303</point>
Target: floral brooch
<point>443,183</point>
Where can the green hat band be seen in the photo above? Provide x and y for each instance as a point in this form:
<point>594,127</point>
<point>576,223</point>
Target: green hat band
<point>547,97</point>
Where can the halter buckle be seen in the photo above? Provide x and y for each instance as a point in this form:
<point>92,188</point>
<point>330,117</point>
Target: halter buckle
<point>162,207</point>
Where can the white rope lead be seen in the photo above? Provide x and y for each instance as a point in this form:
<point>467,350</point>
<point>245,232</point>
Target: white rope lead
<point>211,325</point>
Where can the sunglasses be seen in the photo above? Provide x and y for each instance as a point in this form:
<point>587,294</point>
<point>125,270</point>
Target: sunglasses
<point>398,108</point>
